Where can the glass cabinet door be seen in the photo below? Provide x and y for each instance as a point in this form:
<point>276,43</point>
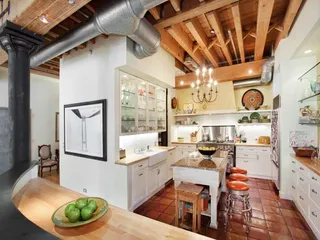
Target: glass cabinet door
<point>161,109</point>
<point>152,105</point>
<point>142,106</point>
<point>128,103</point>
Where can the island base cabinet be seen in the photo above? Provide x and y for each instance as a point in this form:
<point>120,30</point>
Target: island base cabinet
<point>139,186</point>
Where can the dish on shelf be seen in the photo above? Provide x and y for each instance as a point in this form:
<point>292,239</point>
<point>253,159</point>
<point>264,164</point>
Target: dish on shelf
<point>255,116</point>
<point>252,99</point>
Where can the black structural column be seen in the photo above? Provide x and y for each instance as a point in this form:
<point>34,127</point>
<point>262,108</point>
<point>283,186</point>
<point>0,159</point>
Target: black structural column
<point>19,44</point>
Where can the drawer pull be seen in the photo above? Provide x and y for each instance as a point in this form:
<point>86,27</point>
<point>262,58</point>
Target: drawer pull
<point>140,165</point>
<point>293,187</point>
<point>140,174</point>
<point>313,178</point>
<point>301,198</point>
<point>293,162</point>
<point>246,155</point>
<point>293,171</point>
<point>301,179</point>
<point>301,168</point>
<point>246,161</point>
<point>314,191</point>
<point>314,214</point>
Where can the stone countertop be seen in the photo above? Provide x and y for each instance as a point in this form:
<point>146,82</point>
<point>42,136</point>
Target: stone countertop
<point>134,158</point>
<point>253,145</point>
<point>217,162</point>
<point>184,143</point>
<point>13,224</point>
<point>308,163</point>
<point>116,224</point>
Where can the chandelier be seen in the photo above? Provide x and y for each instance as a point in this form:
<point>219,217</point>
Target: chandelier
<point>205,88</point>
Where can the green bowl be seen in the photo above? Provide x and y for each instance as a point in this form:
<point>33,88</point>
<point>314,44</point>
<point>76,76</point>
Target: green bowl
<point>59,219</point>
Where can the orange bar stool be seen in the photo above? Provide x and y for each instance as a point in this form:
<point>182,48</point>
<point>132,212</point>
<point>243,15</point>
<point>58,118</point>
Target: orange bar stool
<point>238,170</point>
<point>238,191</point>
<point>238,177</point>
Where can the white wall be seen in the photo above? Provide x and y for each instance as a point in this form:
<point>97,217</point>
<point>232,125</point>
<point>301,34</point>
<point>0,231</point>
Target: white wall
<point>86,77</point>
<point>290,88</point>
<point>131,142</point>
<point>44,103</point>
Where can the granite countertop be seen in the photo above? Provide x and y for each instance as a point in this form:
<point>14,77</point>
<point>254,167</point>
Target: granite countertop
<point>217,162</point>
<point>308,163</point>
<point>253,144</point>
<point>183,142</point>
<point>14,225</point>
<point>134,158</point>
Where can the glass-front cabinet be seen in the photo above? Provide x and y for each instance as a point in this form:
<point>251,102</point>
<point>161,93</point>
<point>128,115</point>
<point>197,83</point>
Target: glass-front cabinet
<point>143,106</point>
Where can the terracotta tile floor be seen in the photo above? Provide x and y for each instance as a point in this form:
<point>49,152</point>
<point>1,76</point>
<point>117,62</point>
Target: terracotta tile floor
<point>273,218</point>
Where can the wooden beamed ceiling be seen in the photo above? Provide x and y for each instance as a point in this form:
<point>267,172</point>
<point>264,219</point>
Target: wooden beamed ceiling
<point>222,33</point>
<point>216,33</point>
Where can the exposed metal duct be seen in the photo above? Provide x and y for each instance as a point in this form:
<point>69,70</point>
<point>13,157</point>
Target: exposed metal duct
<point>122,17</point>
<point>247,83</point>
<point>267,70</point>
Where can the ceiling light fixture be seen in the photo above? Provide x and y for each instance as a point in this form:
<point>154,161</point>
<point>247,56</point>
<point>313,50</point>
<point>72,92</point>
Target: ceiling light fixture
<point>181,83</point>
<point>71,2</point>
<point>307,51</point>
<point>43,19</point>
<point>250,71</point>
<point>211,31</point>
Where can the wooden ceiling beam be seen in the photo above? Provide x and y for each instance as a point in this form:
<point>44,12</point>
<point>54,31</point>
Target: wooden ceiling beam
<point>230,73</point>
<point>215,24</point>
<point>90,8</point>
<point>265,8</point>
<point>156,12</point>
<point>200,36</point>
<point>187,14</point>
<point>291,13</point>
<point>183,39</point>
<point>238,26</point>
<point>176,4</point>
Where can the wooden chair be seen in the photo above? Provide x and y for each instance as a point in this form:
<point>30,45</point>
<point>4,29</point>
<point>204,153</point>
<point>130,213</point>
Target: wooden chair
<point>189,193</point>
<point>45,161</point>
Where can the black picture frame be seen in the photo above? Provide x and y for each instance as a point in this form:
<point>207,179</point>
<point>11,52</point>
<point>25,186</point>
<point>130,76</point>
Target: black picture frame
<point>103,102</point>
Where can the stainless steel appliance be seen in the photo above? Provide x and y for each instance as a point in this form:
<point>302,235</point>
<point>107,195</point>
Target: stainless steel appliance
<point>221,137</point>
<point>275,148</point>
<point>122,153</point>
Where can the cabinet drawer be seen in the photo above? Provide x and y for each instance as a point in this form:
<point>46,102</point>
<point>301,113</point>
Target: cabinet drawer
<point>140,165</point>
<point>303,200</point>
<point>265,150</point>
<point>304,170</point>
<point>314,178</point>
<point>314,215</point>
<point>247,155</point>
<point>303,183</point>
<point>247,149</point>
<point>315,193</point>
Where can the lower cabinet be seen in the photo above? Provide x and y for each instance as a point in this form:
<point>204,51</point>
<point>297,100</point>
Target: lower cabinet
<point>305,192</point>
<point>139,186</point>
<point>170,161</point>
<point>157,176</point>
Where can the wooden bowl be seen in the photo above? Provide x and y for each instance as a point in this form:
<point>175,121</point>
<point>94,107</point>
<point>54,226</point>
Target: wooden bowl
<point>59,219</point>
<point>303,151</point>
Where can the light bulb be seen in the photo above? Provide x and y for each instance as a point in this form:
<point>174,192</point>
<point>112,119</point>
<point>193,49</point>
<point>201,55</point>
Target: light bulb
<point>204,70</point>
<point>181,83</point>
<point>215,83</point>
<point>209,85</point>
<point>192,85</point>
<point>210,80</point>
<point>43,19</point>
<point>198,72</point>
<point>197,87</point>
<point>198,81</point>
<point>210,71</point>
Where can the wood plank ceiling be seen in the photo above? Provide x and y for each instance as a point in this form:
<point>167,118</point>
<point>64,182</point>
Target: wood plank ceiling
<point>214,33</point>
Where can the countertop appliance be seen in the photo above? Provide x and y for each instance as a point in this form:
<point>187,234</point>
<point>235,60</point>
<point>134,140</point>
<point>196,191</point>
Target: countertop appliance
<point>122,153</point>
<point>222,138</point>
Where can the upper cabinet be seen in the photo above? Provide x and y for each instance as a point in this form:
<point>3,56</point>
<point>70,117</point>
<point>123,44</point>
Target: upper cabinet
<point>143,106</point>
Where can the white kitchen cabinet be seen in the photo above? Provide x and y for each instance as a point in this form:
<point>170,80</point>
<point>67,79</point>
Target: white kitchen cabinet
<point>305,192</point>
<point>139,186</point>
<point>162,177</point>
<point>157,176</point>
<point>170,161</point>
<point>256,160</point>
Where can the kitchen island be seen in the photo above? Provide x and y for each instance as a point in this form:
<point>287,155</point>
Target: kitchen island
<point>205,172</point>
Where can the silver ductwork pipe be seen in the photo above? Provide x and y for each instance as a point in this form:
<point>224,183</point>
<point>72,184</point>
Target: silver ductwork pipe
<point>247,83</point>
<point>121,17</point>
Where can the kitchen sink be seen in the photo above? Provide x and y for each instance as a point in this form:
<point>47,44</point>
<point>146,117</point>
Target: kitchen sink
<point>155,155</point>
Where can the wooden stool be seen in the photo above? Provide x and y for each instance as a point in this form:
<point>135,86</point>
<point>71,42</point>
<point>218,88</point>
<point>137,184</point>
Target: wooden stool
<point>238,170</point>
<point>238,177</point>
<point>189,193</point>
<point>239,191</point>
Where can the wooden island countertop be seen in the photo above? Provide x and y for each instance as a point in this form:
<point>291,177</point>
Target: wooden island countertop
<point>39,198</point>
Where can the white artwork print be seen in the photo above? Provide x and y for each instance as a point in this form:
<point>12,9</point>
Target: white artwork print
<point>84,130</point>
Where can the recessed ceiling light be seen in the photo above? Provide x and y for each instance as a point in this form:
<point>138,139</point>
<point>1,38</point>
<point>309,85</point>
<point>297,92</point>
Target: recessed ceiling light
<point>307,51</point>
<point>181,83</point>
<point>211,31</point>
<point>250,71</point>
<point>43,19</point>
<point>71,1</point>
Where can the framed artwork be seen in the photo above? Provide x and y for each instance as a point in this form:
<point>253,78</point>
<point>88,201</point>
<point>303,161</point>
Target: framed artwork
<point>85,129</point>
<point>252,99</point>
<point>57,127</point>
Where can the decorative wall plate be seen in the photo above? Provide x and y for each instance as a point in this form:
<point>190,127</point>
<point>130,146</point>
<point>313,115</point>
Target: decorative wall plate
<point>252,99</point>
<point>174,103</point>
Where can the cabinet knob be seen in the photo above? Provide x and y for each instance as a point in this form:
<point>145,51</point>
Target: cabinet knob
<point>140,174</point>
<point>313,213</point>
<point>293,187</point>
<point>301,168</point>
<point>140,165</point>
<point>314,191</point>
<point>301,179</point>
<point>313,178</point>
<point>293,162</point>
<point>301,198</point>
<point>293,171</point>
<point>246,161</point>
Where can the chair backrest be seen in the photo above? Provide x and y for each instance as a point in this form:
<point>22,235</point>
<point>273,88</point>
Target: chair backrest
<point>44,152</point>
